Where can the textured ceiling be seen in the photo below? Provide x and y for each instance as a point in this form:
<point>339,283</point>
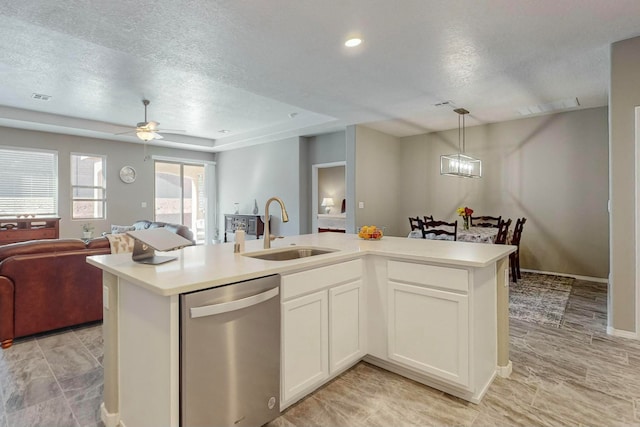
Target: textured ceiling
<point>244,66</point>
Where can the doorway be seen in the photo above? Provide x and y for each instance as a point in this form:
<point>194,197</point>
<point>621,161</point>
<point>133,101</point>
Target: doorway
<point>328,181</point>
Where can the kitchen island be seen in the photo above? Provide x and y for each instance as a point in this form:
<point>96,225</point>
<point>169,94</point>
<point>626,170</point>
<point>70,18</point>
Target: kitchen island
<point>433,311</point>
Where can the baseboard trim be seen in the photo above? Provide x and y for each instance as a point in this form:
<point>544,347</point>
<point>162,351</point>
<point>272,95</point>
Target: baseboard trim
<point>575,276</point>
<point>622,333</point>
<point>505,371</point>
<point>423,379</point>
<point>109,419</point>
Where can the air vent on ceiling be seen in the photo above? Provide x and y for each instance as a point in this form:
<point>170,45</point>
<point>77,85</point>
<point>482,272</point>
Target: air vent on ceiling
<point>442,104</point>
<point>40,96</point>
<point>562,104</point>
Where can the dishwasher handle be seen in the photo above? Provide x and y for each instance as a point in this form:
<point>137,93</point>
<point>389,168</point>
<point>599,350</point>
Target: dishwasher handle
<point>225,307</point>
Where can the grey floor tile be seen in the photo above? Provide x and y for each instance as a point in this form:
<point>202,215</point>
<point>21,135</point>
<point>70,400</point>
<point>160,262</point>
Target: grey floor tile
<point>91,337</point>
<point>21,349</point>
<point>70,361</point>
<point>84,386</point>
<point>87,411</point>
<point>52,413</point>
<point>61,338</point>
<point>27,382</point>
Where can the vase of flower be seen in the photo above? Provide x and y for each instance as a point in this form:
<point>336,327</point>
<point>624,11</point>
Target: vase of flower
<point>465,213</point>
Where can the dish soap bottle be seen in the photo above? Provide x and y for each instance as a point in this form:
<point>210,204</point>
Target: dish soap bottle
<point>255,207</point>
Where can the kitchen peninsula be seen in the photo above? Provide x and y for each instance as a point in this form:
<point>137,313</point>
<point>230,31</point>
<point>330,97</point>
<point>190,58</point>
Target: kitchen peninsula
<point>433,311</point>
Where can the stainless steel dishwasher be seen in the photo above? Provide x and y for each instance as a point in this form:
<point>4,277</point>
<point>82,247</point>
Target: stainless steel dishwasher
<point>230,354</point>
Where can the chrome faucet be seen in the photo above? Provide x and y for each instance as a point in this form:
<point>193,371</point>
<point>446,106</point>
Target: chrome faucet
<point>285,218</point>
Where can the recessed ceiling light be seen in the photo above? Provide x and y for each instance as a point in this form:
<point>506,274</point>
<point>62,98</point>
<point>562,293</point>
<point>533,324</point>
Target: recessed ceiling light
<point>353,42</point>
<point>224,131</point>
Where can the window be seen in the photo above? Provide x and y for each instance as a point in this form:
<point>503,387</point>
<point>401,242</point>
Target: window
<point>88,186</point>
<point>29,182</point>
<point>180,195</point>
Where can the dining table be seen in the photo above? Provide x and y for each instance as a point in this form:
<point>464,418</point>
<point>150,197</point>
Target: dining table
<point>472,234</point>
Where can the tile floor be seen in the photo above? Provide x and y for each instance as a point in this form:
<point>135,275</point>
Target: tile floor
<point>53,379</point>
<point>576,375</point>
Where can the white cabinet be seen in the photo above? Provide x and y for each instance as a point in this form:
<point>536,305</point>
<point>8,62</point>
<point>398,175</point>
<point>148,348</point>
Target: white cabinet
<point>428,326</point>
<point>442,326</point>
<point>305,344</point>
<point>322,326</point>
<point>429,331</point>
<point>346,325</point>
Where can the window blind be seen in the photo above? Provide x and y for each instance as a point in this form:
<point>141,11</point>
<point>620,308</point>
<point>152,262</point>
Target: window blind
<point>29,182</point>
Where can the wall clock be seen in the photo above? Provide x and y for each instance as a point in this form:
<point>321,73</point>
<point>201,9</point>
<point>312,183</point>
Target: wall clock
<point>127,174</point>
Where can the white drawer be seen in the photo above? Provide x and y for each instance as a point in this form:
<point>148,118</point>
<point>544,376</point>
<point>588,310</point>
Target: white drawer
<point>318,278</point>
<point>429,275</point>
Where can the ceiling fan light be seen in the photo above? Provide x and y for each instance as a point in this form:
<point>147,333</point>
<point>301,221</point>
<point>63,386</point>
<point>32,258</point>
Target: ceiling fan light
<point>145,135</point>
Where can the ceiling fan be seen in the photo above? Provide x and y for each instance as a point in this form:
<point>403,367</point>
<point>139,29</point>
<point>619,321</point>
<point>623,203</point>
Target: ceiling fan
<point>148,130</point>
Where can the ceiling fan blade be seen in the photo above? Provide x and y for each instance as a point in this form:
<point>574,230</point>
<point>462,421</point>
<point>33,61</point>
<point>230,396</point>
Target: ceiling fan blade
<point>171,130</point>
<point>127,132</point>
<point>157,135</point>
<point>152,126</point>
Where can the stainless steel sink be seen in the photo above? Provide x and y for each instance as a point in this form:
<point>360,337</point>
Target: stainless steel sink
<point>287,254</point>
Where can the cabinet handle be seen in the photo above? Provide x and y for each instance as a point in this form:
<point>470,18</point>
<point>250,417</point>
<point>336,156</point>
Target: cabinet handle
<point>225,307</point>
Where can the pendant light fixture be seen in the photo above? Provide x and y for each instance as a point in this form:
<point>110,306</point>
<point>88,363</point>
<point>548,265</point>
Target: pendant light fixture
<point>460,164</point>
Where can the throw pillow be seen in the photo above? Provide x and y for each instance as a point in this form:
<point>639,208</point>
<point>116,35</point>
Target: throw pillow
<point>119,229</point>
<point>120,243</point>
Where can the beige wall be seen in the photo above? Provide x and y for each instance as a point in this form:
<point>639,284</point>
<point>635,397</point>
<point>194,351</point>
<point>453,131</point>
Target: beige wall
<point>123,200</point>
<point>552,169</point>
<point>377,180</point>
<point>262,171</point>
<point>624,96</point>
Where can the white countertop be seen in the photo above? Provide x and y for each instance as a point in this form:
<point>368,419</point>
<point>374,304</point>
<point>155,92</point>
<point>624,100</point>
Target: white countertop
<point>201,267</point>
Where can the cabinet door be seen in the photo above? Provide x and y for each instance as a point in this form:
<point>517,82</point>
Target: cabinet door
<point>429,331</point>
<point>252,225</point>
<point>305,360</point>
<point>346,325</point>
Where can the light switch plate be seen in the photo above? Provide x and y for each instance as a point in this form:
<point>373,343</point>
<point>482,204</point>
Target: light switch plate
<point>361,205</point>
<point>143,204</point>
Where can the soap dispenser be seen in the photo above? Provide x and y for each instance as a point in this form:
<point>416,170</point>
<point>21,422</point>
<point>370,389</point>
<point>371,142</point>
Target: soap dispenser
<point>240,234</point>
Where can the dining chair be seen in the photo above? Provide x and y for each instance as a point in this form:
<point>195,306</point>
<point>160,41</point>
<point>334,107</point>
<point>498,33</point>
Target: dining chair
<point>486,221</point>
<point>440,230</point>
<point>415,223</point>
<point>503,232</point>
<point>514,257</point>
<point>428,218</point>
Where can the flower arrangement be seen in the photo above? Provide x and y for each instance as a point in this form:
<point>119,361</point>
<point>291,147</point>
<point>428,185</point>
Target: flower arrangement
<point>88,227</point>
<point>465,213</point>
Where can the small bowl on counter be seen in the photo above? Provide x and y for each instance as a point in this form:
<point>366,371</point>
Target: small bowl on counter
<point>371,232</point>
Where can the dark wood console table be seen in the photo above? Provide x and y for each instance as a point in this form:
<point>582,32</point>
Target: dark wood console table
<point>14,230</point>
<point>252,224</point>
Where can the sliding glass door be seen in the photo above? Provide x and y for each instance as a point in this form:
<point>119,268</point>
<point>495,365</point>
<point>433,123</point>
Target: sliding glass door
<point>181,196</point>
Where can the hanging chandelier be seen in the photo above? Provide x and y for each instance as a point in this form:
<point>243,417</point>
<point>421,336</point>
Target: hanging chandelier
<point>460,164</point>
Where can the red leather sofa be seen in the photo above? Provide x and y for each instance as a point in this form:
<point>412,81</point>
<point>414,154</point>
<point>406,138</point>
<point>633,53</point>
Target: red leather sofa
<point>47,284</point>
